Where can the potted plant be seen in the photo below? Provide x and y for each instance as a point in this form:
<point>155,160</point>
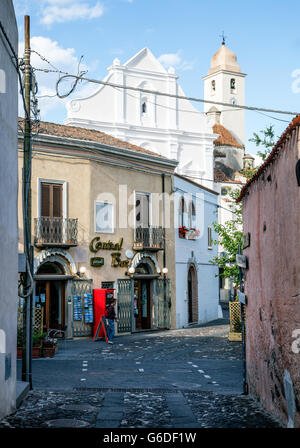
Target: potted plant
<point>182,231</point>
<point>192,234</point>
<point>49,347</point>
<point>37,344</point>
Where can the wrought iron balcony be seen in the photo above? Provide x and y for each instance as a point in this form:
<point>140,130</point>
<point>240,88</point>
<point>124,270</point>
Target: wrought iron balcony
<point>55,232</point>
<point>151,238</point>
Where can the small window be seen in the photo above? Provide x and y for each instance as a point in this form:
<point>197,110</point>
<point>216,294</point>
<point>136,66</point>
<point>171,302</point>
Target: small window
<point>181,212</point>
<point>104,217</point>
<point>142,210</point>
<point>213,85</point>
<point>232,84</point>
<point>144,107</point>
<point>192,215</point>
<point>209,238</point>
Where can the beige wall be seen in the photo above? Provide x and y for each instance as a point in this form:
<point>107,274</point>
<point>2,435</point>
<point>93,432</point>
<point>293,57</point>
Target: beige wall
<point>86,182</point>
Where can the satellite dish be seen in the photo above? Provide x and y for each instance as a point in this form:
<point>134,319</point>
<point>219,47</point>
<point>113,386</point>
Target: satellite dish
<point>129,254</point>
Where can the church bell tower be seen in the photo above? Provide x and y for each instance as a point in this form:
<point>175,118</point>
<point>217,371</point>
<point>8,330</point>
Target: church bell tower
<point>225,83</point>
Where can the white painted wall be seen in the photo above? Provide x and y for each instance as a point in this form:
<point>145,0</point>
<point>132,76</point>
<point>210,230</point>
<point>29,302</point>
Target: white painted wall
<point>171,127</point>
<point>208,285</point>
<point>232,119</point>
<point>8,211</point>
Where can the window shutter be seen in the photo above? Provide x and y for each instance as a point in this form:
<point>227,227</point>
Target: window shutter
<point>57,201</point>
<point>45,199</point>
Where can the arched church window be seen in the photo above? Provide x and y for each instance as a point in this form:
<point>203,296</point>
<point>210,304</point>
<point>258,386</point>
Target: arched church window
<point>232,84</point>
<point>213,85</point>
<point>144,107</point>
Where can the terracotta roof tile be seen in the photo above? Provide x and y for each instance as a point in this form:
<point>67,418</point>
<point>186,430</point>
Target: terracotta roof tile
<point>272,156</point>
<point>91,135</point>
<point>225,137</point>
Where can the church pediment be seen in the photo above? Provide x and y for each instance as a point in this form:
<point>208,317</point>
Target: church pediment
<point>146,61</point>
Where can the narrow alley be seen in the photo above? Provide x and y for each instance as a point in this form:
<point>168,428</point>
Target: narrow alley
<point>187,378</point>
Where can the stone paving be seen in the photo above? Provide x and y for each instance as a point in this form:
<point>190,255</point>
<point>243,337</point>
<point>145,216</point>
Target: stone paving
<point>188,378</point>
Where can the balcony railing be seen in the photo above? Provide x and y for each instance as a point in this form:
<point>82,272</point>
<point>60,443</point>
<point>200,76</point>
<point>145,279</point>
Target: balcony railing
<point>55,232</point>
<point>151,238</point>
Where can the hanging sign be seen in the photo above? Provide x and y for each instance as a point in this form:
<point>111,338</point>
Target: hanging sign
<point>246,240</point>
<point>97,262</point>
<point>242,297</point>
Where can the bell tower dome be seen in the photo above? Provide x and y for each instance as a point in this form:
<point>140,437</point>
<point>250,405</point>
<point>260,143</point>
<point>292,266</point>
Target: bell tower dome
<point>225,83</point>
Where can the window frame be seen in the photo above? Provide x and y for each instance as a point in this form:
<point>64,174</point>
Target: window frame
<point>191,215</point>
<point>113,217</point>
<point>150,206</point>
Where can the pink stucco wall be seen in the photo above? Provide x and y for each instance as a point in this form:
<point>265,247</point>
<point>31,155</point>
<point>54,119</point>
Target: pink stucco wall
<point>272,216</point>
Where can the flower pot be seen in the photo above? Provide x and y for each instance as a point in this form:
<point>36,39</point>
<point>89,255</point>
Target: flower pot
<point>48,352</point>
<point>36,352</point>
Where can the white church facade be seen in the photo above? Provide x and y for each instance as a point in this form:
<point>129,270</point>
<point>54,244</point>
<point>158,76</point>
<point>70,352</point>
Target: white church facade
<point>168,126</point>
<point>209,148</point>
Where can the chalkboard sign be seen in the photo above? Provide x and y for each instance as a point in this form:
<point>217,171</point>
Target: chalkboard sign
<point>102,323</point>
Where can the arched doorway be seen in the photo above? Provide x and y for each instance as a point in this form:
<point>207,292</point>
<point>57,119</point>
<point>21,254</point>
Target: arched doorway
<point>142,296</point>
<point>192,295</point>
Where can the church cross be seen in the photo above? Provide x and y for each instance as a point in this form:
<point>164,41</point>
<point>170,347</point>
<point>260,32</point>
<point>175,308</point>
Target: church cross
<point>223,38</point>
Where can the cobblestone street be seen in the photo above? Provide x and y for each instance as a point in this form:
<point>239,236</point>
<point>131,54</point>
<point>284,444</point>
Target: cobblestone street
<point>189,378</point>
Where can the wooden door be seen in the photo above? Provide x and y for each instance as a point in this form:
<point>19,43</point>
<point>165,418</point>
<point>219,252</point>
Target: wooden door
<point>51,200</point>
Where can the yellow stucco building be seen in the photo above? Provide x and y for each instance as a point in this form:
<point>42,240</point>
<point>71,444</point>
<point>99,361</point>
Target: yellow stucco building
<point>98,222</point>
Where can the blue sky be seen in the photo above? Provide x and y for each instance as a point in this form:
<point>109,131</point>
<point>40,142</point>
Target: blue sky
<point>265,35</point>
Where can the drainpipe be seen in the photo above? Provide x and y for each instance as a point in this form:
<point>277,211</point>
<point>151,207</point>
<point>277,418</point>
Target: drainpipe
<point>164,236</point>
<point>164,231</point>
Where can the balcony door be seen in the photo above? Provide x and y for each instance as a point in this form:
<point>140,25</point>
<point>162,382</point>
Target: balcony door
<point>142,210</point>
<point>51,200</point>
<point>52,212</point>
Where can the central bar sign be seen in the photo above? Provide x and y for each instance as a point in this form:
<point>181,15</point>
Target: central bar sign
<point>96,245</point>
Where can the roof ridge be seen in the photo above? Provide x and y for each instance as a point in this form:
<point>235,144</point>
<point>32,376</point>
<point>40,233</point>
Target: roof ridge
<point>115,140</point>
<point>293,124</point>
<point>225,138</point>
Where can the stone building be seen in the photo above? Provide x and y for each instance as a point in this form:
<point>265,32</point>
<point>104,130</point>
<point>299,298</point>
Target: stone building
<point>8,214</point>
<point>271,202</point>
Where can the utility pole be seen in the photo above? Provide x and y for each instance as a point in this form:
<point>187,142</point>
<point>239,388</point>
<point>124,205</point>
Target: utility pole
<point>27,316</point>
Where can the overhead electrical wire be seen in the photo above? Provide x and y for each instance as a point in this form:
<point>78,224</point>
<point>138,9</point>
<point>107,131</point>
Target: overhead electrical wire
<point>80,77</point>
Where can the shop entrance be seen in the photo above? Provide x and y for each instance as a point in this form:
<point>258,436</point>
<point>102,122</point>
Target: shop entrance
<point>192,295</point>
<point>50,295</point>
<point>142,297</point>
<point>142,304</point>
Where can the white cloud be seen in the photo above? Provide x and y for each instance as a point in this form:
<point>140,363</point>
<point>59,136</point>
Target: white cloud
<point>69,10</point>
<point>175,60</point>
<point>170,59</point>
<point>66,60</point>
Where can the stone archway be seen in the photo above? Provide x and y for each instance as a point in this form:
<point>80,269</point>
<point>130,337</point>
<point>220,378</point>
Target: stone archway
<point>192,294</point>
<point>58,256</point>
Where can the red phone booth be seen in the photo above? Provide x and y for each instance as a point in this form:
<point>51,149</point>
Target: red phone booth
<point>102,298</point>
